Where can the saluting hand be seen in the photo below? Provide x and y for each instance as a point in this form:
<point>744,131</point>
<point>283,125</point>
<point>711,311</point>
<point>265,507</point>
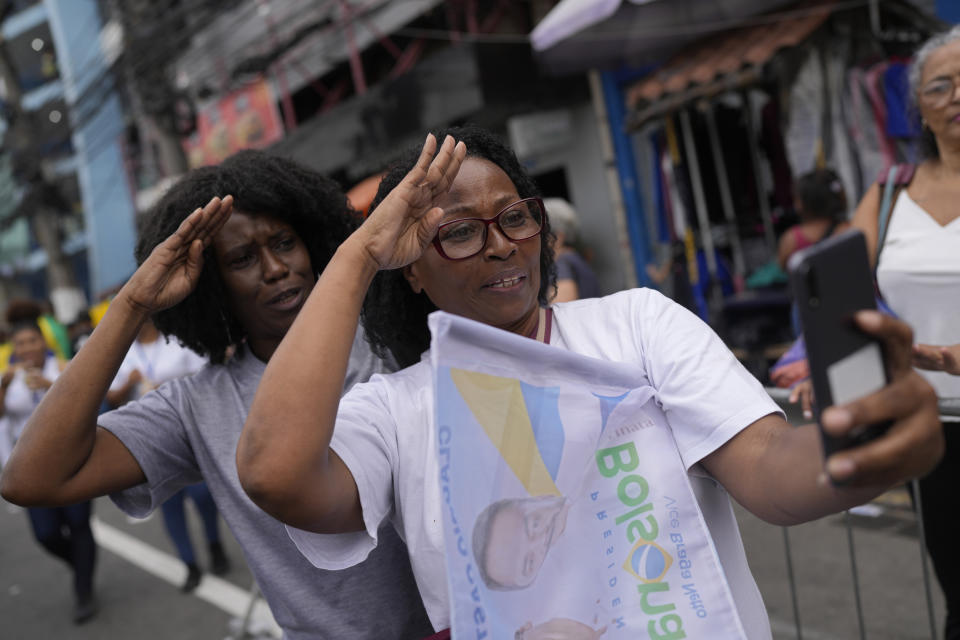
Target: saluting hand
<point>172,269</point>
<point>398,231</point>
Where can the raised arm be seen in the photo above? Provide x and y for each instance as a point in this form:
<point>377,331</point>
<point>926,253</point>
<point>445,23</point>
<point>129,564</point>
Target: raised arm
<point>283,457</point>
<point>777,471</point>
<point>62,456</point>
<point>5,379</point>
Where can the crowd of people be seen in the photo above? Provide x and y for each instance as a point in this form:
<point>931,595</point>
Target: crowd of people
<point>309,421</point>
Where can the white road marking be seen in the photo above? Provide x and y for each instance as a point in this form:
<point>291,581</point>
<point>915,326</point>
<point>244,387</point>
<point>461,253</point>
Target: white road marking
<point>216,591</point>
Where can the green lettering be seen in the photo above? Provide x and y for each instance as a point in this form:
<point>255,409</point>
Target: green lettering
<point>642,492</point>
<point>610,460</point>
<point>672,626</point>
<point>630,515</point>
<point>645,589</point>
<point>636,528</point>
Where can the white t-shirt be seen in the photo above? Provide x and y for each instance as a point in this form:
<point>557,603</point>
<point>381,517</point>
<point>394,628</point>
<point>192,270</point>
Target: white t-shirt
<point>158,361</point>
<point>385,435</point>
<point>19,403</point>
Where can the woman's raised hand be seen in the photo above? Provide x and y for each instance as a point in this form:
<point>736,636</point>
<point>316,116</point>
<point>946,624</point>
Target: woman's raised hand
<point>172,269</point>
<point>398,231</point>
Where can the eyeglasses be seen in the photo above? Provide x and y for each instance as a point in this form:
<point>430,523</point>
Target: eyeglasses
<point>938,92</point>
<point>466,237</point>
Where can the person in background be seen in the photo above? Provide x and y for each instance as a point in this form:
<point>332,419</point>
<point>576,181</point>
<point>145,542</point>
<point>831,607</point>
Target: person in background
<point>6,349</point>
<point>54,332</point>
<point>575,277</point>
<point>152,360</point>
<point>63,531</point>
<point>917,264</point>
<point>79,330</point>
<point>218,272</point>
<point>822,207</point>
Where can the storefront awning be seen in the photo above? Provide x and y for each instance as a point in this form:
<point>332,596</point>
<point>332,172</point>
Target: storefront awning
<point>725,61</point>
<point>581,34</point>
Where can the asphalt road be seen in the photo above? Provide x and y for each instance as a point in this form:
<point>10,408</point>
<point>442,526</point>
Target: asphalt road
<point>138,578</point>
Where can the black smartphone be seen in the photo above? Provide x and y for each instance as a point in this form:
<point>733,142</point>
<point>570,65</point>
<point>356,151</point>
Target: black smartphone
<point>831,281</point>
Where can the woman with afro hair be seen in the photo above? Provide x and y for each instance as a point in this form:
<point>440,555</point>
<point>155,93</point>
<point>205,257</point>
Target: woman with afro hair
<point>227,258</point>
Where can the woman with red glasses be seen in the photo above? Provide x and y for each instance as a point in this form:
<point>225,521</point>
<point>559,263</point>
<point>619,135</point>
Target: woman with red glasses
<point>461,229</point>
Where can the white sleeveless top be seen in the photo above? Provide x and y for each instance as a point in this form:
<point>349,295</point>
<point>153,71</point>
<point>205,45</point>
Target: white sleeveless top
<point>19,403</point>
<point>919,277</point>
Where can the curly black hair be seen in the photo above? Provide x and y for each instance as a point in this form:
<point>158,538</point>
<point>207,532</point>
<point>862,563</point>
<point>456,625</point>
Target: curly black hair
<point>23,313</point>
<point>260,183</point>
<point>821,195</point>
<point>395,318</point>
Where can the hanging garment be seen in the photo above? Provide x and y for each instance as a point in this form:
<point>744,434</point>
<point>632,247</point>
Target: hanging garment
<point>901,119</point>
<point>771,138</point>
<point>804,133</point>
<point>873,82</point>
<point>841,156</point>
<point>867,140</point>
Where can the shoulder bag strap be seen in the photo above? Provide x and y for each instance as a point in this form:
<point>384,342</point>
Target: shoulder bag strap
<point>886,205</point>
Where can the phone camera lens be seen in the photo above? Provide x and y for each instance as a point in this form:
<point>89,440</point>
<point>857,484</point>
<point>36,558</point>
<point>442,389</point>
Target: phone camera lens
<point>814,302</point>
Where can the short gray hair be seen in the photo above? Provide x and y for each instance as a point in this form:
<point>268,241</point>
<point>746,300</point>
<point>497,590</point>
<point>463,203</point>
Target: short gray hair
<point>920,57</point>
<point>563,218</point>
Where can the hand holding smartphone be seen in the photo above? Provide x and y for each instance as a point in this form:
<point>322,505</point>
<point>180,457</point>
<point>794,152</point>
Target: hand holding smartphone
<point>831,281</point>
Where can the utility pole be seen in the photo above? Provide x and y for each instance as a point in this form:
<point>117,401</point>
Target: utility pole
<point>147,32</point>
<point>42,202</point>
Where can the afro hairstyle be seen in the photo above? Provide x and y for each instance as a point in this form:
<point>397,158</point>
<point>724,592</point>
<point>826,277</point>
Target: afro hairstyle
<point>260,184</point>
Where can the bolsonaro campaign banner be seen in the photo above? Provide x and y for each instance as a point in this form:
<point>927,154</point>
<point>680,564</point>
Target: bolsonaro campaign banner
<point>568,513</point>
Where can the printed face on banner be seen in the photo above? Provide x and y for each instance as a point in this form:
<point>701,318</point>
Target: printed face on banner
<point>512,537</point>
<point>568,513</point>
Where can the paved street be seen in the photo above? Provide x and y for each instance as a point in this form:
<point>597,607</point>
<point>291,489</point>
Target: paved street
<point>888,565</point>
<point>139,600</point>
<point>138,578</point>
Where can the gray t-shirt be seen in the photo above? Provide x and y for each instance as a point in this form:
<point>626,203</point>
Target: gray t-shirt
<point>187,431</point>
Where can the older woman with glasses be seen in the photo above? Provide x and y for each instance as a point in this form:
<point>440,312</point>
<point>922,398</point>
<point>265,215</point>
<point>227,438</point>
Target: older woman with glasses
<point>461,230</point>
<point>918,271</point>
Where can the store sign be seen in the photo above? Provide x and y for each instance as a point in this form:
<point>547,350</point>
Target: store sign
<point>244,119</point>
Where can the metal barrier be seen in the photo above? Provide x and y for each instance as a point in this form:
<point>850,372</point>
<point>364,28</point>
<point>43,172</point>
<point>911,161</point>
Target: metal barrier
<point>948,407</point>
